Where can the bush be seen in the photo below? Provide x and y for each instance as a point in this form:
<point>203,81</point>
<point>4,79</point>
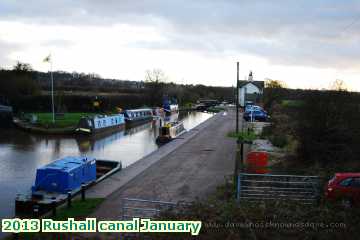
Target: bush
<point>279,140</point>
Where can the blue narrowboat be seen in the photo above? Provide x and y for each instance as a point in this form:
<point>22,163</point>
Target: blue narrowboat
<point>66,174</point>
<point>100,123</point>
<point>138,115</point>
<point>56,180</point>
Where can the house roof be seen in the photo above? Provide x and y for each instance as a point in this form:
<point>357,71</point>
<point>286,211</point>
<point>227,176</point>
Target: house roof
<point>259,84</point>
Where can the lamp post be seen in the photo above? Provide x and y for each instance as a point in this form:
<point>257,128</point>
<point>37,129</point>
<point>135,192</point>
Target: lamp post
<point>49,60</point>
<point>52,93</point>
<point>237,99</point>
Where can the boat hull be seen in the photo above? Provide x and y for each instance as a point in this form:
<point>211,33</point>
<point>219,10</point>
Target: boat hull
<point>100,131</point>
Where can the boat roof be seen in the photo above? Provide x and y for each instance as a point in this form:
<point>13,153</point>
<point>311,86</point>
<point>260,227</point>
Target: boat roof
<point>67,164</point>
<point>139,110</point>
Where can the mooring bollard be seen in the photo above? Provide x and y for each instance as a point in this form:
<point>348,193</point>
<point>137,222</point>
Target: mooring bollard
<point>53,206</point>
<point>69,199</point>
<point>36,211</point>
<point>82,192</point>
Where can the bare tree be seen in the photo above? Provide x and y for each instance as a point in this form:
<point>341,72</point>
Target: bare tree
<point>338,85</point>
<point>155,76</point>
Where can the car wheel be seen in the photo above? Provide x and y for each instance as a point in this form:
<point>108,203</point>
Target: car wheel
<point>346,202</point>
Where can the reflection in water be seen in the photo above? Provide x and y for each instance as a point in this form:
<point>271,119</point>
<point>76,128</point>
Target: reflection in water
<point>22,153</point>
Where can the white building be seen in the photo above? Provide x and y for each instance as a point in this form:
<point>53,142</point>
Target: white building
<point>250,90</point>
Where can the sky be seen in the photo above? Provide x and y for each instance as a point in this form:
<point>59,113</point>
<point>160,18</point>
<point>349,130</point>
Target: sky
<point>305,44</point>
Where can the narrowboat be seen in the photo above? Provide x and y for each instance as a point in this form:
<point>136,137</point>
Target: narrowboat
<point>56,180</point>
<point>6,112</point>
<point>100,123</point>
<point>137,116</point>
<point>170,106</point>
<point>170,131</point>
<point>158,113</point>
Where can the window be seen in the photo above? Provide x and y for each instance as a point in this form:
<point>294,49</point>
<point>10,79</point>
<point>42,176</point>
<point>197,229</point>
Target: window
<point>355,182</point>
<point>346,182</point>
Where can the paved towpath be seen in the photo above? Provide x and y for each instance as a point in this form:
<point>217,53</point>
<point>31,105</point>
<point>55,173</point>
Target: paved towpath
<point>187,168</point>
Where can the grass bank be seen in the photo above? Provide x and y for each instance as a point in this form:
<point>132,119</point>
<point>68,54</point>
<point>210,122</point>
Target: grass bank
<point>61,121</point>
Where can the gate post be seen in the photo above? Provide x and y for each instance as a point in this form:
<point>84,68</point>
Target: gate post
<point>238,187</point>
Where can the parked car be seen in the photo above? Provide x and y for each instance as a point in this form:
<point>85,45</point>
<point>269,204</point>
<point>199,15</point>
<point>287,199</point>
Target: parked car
<point>253,108</point>
<point>344,187</point>
<point>256,115</point>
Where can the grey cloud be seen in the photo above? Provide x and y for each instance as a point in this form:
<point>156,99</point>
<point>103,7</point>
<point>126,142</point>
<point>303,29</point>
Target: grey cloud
<point>285,32</point>
<point>5,50</point>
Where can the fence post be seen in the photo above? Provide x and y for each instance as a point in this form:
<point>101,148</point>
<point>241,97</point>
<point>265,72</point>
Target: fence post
<point>238,188</point>
<point>69,199</point>
<point>36,211</point>
<point>236,170</point>
<point>53,206</point>
<point>82,192</point>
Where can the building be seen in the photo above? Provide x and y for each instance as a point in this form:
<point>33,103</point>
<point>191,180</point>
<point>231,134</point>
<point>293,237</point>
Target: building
<point>250,90</point>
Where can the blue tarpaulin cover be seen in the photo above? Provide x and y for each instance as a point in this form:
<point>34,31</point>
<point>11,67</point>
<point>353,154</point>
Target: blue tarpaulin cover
<point>66,174</point>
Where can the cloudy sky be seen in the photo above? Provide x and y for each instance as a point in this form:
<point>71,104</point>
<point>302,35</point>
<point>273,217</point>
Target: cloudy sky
<point>306,44</point>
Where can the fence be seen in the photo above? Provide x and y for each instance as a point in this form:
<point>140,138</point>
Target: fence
<point>262,187</point>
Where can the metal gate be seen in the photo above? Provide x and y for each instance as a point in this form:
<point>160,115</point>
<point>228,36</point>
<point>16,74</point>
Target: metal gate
<point>261,187</point>
<point>142,208</point>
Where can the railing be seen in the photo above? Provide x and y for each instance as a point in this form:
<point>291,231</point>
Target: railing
<point>142,208</point>
<point>261,187</point>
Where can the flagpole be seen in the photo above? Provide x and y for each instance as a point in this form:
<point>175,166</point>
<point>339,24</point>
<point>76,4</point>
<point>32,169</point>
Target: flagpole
<point>52,92</point>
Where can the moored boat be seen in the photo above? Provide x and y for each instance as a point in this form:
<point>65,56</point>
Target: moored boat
<point>100,123</point>
<point>170,106</point>
<point>135,116</point>
<point>170,131</point>
<point>56,180</point>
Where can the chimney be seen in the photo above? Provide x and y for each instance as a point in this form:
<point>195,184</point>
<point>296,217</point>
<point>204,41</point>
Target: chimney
<point>250,76</point>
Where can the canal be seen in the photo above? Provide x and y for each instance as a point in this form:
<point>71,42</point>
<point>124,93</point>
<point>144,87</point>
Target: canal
<point>22,153</point>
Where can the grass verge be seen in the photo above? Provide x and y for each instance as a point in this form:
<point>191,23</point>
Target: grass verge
<point>66,120</point>
<point>243,136</point>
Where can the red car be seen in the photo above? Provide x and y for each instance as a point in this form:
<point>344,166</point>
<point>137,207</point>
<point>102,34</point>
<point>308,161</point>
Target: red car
<point>344,187</point>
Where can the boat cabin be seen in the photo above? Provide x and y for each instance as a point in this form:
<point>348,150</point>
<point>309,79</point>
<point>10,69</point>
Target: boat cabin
<point>138,114</point>
<point>170,131</point>
<point>66,174</point>
<point>99,122</point>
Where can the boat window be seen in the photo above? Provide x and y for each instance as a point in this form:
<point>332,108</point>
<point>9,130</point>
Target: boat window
<point>104,122</point>
<point>99,123</point>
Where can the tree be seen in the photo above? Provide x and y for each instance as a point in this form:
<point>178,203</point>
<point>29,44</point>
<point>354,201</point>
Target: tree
<point>155,76</point>
<point>22,67</point>
<point>338,85</point>
<point>270,83</point>
<point>155,84</point>
<point>273,92</point>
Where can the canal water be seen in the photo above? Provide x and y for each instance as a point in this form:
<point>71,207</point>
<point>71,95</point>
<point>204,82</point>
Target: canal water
<point>22,153</point>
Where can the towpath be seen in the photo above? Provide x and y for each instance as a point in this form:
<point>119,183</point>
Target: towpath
<point>187,168</point>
